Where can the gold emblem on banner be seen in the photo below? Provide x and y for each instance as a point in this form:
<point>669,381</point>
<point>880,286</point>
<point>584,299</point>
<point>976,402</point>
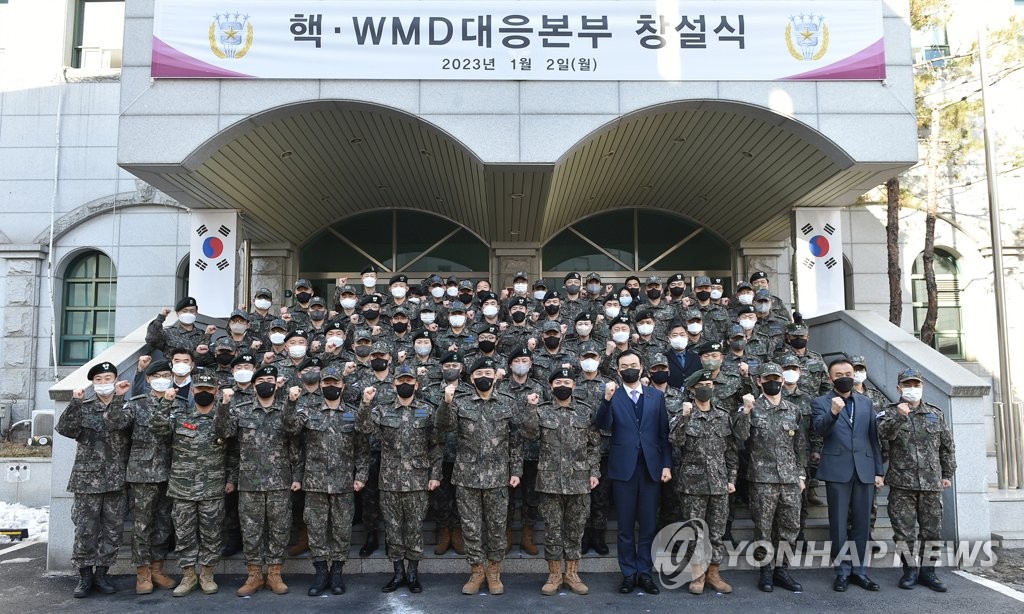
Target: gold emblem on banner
<point>807,37</point>
<point>226,40</point>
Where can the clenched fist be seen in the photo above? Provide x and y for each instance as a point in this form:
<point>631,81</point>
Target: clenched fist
<point>293,393</point>
<point>837,405</point>
<point>687,408</point>
<point>226,396</point>
<point>449,392</point>
<point>533,399</point>
<point>748,403</point>
<point>211,329</point>
<point>904,409</point>
<point>609,390</point>
<point>169,394</point>
<point>79,393</point>
<point>144,362</point>
<point>368,394</point>
<point>121,388</point>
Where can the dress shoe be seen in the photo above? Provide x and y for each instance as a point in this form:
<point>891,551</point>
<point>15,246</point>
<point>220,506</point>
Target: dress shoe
<point>840,583</point>
<point>647,585</point>
<point>782,579</point>
<point>627,585</point>
<point>864,582</point>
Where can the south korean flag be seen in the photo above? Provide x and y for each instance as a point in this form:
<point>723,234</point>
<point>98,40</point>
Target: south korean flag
<point>212,260</point>
<point>818,244</point>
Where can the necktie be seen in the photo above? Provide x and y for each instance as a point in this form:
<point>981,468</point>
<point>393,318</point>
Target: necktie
<point>635,395</point>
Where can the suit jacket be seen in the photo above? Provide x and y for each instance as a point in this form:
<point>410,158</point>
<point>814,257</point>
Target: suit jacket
<point>847,452</point>
<point>629,439</point>
<point>677,375</point>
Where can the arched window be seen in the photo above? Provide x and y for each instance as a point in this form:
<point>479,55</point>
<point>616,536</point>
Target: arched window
<point>87,322</point>
<point>949,324</point>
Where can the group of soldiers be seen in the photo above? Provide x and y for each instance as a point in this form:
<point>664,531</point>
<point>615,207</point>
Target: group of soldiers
<point>448,400</point>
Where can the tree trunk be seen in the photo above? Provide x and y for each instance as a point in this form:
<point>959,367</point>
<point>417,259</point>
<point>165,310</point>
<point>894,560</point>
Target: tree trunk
<point>892,245</point>
<point>928,256</point>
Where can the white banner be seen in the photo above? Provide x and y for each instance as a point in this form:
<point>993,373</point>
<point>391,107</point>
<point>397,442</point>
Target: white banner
<point>211,279</point>
<point>625,40</point>
<point>820,284</point>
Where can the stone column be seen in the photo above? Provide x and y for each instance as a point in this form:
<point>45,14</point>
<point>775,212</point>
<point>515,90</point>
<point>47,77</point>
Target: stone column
<point>272,267</point>
<point>772,257</point>
<point>22,266</point>
<point>507,258</point>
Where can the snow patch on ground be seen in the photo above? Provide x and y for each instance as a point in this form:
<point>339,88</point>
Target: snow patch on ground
<point>17,516</point>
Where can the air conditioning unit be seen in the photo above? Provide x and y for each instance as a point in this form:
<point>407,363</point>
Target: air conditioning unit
<point>42,427</point>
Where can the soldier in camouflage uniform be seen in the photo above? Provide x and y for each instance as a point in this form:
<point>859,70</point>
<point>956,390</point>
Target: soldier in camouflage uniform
<point>552,355</point>
<point>569,467</point>
<point>728,386</point>
<point>662,311</point>
<point>101,428</point>
<point>308,376</point>
<point>758,344</point>
<point>410,466</point>
<point>299,312</point>
<point>489,460</point>
<point>590,385</point>
<point>574,304</point>
<point>457,337</point>
<point>486,344</point>
<point>243,367</point>
<point>776,436</point>
<point>645,343</point>
<point>779,310</point>
<point>148,467</point>
<point>183,334</point>
<point>716,318</point>
<point>240,335</point>
<point>268,471</point>
<point>423,360</point>
<point>922,460</point>
<point>791,391</point>
<point>767,323</point>
<point>297,348</point>
<point>813,373</point>
<point>520,385</point>
<point>702,432</point>
<point>582,332</point>
<point>336,463</point>
<point>197,477</point>
<point>261,315</point>
<point>521,330</point>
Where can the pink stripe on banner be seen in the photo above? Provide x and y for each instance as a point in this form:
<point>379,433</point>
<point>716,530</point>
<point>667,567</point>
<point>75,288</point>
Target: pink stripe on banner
<point>169,62</point>
<point>868,64</point>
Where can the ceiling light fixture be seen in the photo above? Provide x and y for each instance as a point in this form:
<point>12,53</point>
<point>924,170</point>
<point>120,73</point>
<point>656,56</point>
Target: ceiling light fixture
<point>286,154</point>
<point>355,140</point>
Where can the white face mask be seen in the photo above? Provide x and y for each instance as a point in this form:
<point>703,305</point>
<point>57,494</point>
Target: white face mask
<point>859,377</point>
<point>747,324</point>
<point>296,351</point>
<point>103,390</point>
<point>694,328</point>
<point>415,300</point>
<point>181,369</point>
<point>626,300</point>
<point>589,364</point>
<point>238,328</point>
<point>334,341</point>
<point>583,330</point>
<point>489,311</point>
<point>428,317</point>
<point>243,376</point>
<point>277,338</point>
<point>520,288</point>
<point>762,307</point>
<point>262,303</point>
<point>457,321</point>
<point>745,299</point>
<point>399,292</point>
<point>452,292</point>
<point>620,336</point>
<point>348,303</point>
<point>611,312</point>
<point>539,294</point>
<point>645,329</point>
<point>520,369</point>
<point>678,343</point>
<point>187,318</point>
<point>160,384</point>
<point>437,292</point>
<point>716,294</point>
<point>421,350</point>
<point>912,395</point>
<point>790,376</point>
<point>369,282</point>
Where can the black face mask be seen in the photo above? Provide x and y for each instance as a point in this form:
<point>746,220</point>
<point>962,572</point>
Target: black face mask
<point>518,317</point>
<point>561,392</point>
<point>703,393</point>
<point>405,390</point>
<point>798,343</point>
<point>677,291</point>
<point>310,377</point>
<point>572,289</point>
<point>483,384</point>
<point>379,364</point>
<point>303,297</point>
<point>331,393</point>
<point>659,377</point>
<point>224,359</point>
<point>551,309</point>
<point>371,314</point>
<point>630,376</point>
<point>634,291</point>
<point>450,375</point>
<point>843,384</point>
<point>400,327</point>
<point>317,314</point>
<point>265,390</point>
<point>486,346</point>
<point>703,295</point>
<point>466,298</point>
<point>738,346</point>
<point>552,343</point>
<point>654,294</point>
<point>204,398</point>
<point>362,351</point>
<point>771,387</point>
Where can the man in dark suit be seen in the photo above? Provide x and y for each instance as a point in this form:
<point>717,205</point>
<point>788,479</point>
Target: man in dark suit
<point>639,460</point>
<point>682,360</point>
<point>851,466</point>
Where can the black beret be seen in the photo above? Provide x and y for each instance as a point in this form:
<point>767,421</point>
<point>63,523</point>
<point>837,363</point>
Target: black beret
<point>451,357</point>
<point>368,269</point>
<point>644,314</point>
<point>585,316</point>
<point>620,319</point>
<point>707,347</point>
<point>310,361</point>
<point>520,352</point>
<point>486,295</point>
<point>742,309</point>
<point>551,294</point>
<point>422,333</point>
<point>244,359</point>
<point>399,278</point>
<point>560,373</point>
<point>758,275</point>
<point>516,301</point>
<point>266,370</point>
<point>371,298</point>
<point>488,329</point>
<point>298,332</point>
<point>483,363</point>
<point>573,275</point>
<point>103,367</point>
<point>188,301</point>
<point>157,366</point>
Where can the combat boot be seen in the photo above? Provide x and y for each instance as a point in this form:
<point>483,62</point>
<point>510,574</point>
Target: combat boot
<point>337,579</point>
<point>160,579</point>
<point>764,579</point>
<point>370,545</point>
<point>206,582</point>
<point>812,493</point>
<point>585,543</point>
<point>927,577</point>
<point>715,581</point>
<point>526,542</point>
<point>320,580</point>
<point>414,577</point>
<point>458,543</point>
<point>398,579</point>
<point>572,578</point>
<point>143,580</point>
<point>253,583</point>
<point>494,585</point>
<point>301,542</point>
<point>697,583</point>
<point>274,581</point>
<point>508,541</point>
<point>554,581</point>
<point>598,543</point>
<point>476,580</point>
<point>909,578</point>
<point>786,581</point>
<point>100,581</point>
<point>444,540</point>
<point>84,586</point>
<point>188,582</point>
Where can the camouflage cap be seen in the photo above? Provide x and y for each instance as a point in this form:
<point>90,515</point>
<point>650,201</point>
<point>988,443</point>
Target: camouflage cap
<point>796,328</point>
<point>380,347</point>
<point>770,368</point>
<point>908,375</point>
<point>457,307</point>
<point>303,283</point>
<point>736,331</point>
<point>521,275</point>
<point>762,295</point>
<point>701,375</point>
<point>658,359</point>
<point>594,276</point>
<point>279,323</point>
<point>653,280</point>
<point>404,371</point>
<point>589,347</point>
<point>702,280</point>
<point>223,343</point>
<point>204,379</point>
<point>858,361</point>
<point>363,334</point>
<point>317,300</point>
<point>551,325</point>
<point>788,360</point>
<point>332,373</point>
<point>693,314</point>
<point>540,283</point>
<point>743,286</point>
<point>240,313</point>
<point>465,284</point>
<point>347,289</point>
<point>265,292</point>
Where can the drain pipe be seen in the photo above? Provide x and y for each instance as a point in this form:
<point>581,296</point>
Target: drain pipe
<point>53,216</point>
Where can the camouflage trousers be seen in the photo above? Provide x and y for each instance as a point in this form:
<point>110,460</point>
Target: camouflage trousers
<point>527,497</point>
<point>329,523</point>
<point>910,507</point>
<point>99,523</point>
<point>369,496</point>
<point>483,512</point>
<point>151,522</point>
<point>600,501</point>
<point>714,511</point>
<point>775,510</point>
<point>565,517</point>
<point>197,526</point>
<point>266,519</point>
<point>403,523</point>
<point>443,509</point>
